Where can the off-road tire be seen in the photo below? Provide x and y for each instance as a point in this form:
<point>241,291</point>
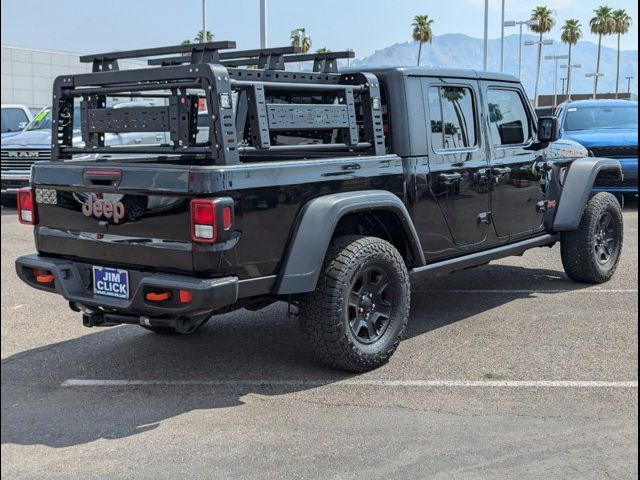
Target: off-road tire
<point>324,314</point>
<point>580,256</point>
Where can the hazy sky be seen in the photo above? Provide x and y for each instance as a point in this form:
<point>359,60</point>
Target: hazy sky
<point>86,26</point>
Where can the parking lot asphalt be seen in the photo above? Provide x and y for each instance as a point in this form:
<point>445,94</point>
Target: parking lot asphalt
<point>507,371</point>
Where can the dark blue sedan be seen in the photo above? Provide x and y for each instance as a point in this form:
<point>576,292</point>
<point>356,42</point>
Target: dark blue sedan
<point>608,128</point>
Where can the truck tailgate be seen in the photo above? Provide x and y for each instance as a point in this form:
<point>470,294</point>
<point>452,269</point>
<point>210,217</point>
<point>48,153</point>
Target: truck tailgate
<point>116,213</point>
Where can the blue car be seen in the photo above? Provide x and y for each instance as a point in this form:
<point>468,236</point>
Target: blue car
<point>607,128</point>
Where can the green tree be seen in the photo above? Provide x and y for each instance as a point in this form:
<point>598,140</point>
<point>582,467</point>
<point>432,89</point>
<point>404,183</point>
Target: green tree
<point>621,26</point>
<point>200,38</point>
<point>601,24</point>
<point>422,32</point>
<point>545,19</point>
<point>571,33</point>
<point>299,38</point>
<point>323,50</point>
<point>203,37</point>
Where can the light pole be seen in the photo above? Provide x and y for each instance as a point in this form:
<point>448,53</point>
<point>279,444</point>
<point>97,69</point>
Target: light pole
<point>564,83</point>
<point>502,40</point>
<point>540,45</point>
<point>511,23</point>
<point>485,61</point>
<point>595,77</point>
<point>629,84</point>
<point>263,23</point>
<point>204,21</point>
<point>555,59</point>
<point>570,76</point>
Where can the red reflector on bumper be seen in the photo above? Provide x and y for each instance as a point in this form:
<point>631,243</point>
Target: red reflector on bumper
<point>158,297</point>
<point>185,296</point>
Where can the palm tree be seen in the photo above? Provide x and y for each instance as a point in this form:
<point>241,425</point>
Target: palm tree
<point>601,24</point>
<point>622,24</point>
<point>299,38</point>
<point>545,19</point>
<point>203,37</point>
<point>422,32</point>
<point>571,33</point>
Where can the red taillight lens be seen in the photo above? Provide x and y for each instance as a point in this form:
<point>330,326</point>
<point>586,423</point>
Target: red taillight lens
<point>203,221</point>
<point>211,219</point>
<point>26,206</point>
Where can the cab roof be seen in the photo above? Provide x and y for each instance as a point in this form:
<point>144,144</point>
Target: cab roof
<point>442,72</point>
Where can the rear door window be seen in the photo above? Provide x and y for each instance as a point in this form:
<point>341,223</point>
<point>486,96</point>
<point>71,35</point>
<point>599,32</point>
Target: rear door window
<point>453,119</point>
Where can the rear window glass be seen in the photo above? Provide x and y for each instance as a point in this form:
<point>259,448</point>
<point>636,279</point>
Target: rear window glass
<point>452,112</point>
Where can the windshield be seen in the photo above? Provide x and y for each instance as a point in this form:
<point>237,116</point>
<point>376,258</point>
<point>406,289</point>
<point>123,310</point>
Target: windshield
<point>597,118</point>
<point>42,121</point>
<point>13,119</point>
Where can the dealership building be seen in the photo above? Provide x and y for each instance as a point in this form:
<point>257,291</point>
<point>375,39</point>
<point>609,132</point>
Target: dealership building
<point>28,74</point>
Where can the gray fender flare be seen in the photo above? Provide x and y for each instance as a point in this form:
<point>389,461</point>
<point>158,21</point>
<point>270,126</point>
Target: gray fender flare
<point>577,188</point>
<point>314,229</point>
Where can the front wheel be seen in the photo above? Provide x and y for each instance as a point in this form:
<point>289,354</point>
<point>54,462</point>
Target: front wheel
<point>591,254</point>
<point>356,317</point>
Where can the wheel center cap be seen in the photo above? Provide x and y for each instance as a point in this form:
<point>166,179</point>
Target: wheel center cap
<point>366,303</point>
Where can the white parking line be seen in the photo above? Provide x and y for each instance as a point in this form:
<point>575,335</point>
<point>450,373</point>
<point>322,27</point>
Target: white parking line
<point>75,382</point>
<point>586,290</point>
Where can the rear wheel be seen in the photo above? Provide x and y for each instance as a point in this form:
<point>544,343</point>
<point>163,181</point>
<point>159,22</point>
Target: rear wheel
<point>356,317</point>
<point>591,254</point>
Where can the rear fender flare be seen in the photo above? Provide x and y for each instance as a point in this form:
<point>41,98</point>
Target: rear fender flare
<point>577,188</point>
<point>315,227</point>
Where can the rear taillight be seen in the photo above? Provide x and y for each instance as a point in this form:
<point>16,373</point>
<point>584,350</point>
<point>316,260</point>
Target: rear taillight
<point>211,219</point>
<point>26,206</point>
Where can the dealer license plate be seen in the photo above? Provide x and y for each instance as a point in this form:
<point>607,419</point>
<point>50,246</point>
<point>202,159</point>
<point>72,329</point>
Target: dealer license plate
<point>110,282</point>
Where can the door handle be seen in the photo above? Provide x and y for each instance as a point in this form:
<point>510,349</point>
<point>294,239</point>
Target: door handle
<point>450,178</point>
<point>138,140</point>
<point>159,137</point>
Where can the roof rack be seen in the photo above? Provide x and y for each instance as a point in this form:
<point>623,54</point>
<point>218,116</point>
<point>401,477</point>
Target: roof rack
<point>247,109</point>
<point>269,59</point>
<point>207,52</point>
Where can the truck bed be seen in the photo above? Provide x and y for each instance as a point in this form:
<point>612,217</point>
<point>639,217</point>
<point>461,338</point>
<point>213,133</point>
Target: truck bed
<point>155,233</point>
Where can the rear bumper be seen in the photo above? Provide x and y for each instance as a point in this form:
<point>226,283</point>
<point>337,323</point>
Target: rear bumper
<point>73,280</point>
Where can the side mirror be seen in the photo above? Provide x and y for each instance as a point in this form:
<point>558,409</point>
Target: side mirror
<point>22,125</point>
<point>547,129</point>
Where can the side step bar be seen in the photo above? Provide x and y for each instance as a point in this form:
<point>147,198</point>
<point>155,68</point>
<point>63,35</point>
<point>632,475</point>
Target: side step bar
<point>480,258</point>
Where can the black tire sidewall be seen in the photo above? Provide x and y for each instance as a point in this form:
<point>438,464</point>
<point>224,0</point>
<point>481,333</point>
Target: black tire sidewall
<point>609,207</point>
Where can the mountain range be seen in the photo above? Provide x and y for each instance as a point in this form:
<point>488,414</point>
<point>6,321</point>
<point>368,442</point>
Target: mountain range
<point>462,51</point>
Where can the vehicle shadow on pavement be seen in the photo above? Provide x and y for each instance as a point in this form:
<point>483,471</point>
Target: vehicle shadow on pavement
<point>253,346</point>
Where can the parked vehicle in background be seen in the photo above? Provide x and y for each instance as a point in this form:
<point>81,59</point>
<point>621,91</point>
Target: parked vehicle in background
<point>15,118</point>
<point>327,190</point>
<point>20,151</point>
<point>607,128</point>
<point>545,111</point>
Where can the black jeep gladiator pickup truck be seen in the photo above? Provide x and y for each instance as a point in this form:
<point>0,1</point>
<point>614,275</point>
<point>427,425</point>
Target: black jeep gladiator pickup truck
<point>328,190</point>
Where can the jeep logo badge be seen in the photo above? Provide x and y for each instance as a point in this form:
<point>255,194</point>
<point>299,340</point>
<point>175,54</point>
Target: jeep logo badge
<point>99,208</point>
